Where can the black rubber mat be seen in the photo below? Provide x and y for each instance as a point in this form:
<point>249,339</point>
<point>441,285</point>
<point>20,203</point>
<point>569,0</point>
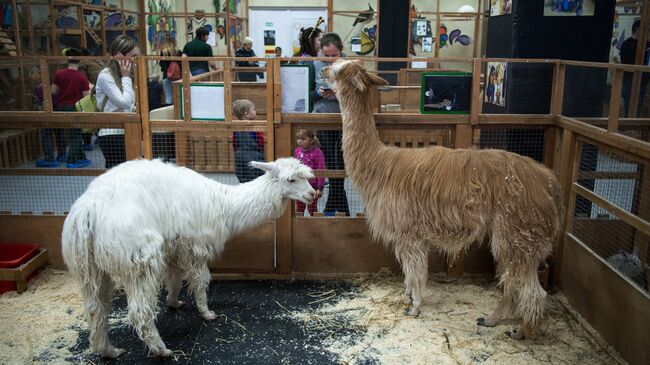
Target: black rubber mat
<point>253,326</point>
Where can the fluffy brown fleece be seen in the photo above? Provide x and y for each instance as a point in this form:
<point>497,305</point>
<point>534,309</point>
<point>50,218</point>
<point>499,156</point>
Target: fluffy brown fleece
<point>418,199</point>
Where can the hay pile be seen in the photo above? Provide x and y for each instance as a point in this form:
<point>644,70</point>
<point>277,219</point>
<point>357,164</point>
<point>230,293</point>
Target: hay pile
<point>369,326</point>
<point>42,323</point>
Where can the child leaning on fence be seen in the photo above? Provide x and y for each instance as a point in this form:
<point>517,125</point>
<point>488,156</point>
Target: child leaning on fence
<point>248,146</point>
<point>310,154</point>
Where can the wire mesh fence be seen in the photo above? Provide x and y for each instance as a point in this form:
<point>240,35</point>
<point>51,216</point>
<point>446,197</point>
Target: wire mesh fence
<point>620,182</point>
<point>524,141</point>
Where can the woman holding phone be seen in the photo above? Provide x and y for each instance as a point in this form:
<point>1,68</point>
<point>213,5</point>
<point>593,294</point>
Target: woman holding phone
<point>115,93</point>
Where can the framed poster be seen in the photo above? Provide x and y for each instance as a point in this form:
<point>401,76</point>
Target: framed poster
<point>207,101</point>
<point>568,7</point>
<point>296,96</point>
<point>446,92</point>
<point>495,92</point>
<point>500,7</point>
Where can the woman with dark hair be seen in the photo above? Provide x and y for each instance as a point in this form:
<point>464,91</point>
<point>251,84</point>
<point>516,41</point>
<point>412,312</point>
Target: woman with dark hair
<point>309,42</point>
<point>115,93</point>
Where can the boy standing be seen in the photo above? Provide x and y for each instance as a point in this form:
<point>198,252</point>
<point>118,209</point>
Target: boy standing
<point>69,86</point>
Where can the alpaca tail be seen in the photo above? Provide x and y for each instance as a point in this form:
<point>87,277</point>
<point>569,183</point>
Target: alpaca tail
<point>77,242</point>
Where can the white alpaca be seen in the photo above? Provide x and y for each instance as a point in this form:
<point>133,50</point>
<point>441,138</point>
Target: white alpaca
<point>145,222</point>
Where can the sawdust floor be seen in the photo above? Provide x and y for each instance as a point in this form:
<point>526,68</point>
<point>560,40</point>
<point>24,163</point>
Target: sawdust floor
<point>303,322</point>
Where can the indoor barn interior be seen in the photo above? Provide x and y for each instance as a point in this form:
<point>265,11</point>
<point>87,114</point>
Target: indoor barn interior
<point>325,181</point>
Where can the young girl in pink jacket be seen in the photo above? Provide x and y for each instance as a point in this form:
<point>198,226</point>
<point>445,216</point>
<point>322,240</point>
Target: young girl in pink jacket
<point>310,154</point>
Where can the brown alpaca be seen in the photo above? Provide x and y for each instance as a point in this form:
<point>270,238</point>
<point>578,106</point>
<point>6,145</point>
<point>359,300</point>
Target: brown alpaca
<point>419,199</point>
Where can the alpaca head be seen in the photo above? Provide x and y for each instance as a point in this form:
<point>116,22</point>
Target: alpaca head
<point>349,76</point>
<point>292,177</point>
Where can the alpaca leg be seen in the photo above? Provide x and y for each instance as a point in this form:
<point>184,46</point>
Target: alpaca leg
<point>505,306</point>
<point>198,284</point>
<point>415,268</point>
<point>97,303</point>
<point>173,283</point>
<point>141,292</point>
<point>529,303</point>
<point>502,310</point>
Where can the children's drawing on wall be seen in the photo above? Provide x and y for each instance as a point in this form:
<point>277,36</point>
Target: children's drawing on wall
<point>494,88</point>
<point>160,25</point>
<point>500,7</point>
<point>569,8</point>
<point>446,92</point>
<point>454,37</point>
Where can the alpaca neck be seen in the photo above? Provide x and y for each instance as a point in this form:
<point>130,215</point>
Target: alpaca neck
<point>254,203</point>
<point>360,136</point>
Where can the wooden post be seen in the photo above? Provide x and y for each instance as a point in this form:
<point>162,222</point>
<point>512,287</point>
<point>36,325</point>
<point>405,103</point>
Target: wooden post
<point>144,106</point>
<point>187,111</point>
<point>19,49</point>
<point>228,20</point>
<point>330,20</point>
<point>123,17</point>
<point>615,101</point>
<point>47,89</point>
<point>568,155</point>
<point>142,20</point>
<point>476,91</point>
<point>550,135</point>
<point>477,25</point>
<point>132,140</point>
<point>283,229</point>
<point>103,31</point>
<point>270,130</point>
<point>53,37</point>
<point>557,99</point>
<point>82,26</point>
<point>227,84</point>
<point>28,19</point>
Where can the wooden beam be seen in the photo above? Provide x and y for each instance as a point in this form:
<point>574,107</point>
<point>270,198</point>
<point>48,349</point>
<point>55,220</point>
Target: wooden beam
<point>476,106</point>
<point>629,218</point>
<point>568,151</point>
<point>270,129</point>
<point>185,103</point>
<point>617,141</point>
<point>557,99</point>
<point>227,84</point>
<point>615,101</point>
<point>133,141</point>
<point>47,88</point>
<point>283,225</point>
<point>144,106</point>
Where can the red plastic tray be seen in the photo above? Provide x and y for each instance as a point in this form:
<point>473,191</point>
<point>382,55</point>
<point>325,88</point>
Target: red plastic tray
<point>12,255</point>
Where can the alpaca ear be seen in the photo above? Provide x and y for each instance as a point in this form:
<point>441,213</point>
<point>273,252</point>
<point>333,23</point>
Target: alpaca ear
<point>376,80</point>
<point>265,166</point>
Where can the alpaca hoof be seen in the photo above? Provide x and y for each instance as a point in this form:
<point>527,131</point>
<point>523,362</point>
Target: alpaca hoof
<point>516,335</point>
<point>209,315</point>
<point>113,352</point>
<point>412,312</point>
<point>485,322</point>
<point>176,304</point>
<point>163,352</point>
